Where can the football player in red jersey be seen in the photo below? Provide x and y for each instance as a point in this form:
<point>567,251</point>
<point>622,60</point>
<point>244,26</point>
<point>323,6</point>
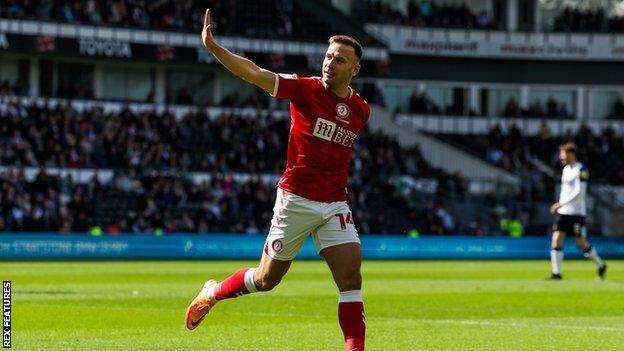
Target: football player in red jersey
<point>326,117</point>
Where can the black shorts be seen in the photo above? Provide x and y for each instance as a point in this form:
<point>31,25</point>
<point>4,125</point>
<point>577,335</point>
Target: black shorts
<point>571,225</point>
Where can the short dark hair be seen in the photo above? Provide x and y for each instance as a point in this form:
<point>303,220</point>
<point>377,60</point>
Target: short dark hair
<point>568,147</point>
<point>347,40</point>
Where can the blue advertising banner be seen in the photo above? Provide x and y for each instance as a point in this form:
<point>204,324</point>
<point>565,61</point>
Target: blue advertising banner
<point>239,246</point>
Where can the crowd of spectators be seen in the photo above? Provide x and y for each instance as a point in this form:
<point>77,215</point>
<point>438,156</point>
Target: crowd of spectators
<point>150,203</point>
<point>61,136</point>
<point>46,203</point>
<point>255,18</point>
<point>508,150</point>
<point>160,203</point>
<point>618,109</point>
<point>577,19</point>
<point>513,151</point>
<point>553,109</point>
<point>437,220</point>
<point>265,18</point>
<point>423,14</point>
<point>601,151</point>
<point>74,90</point>
<point>170,202</point>
<point>152,154</point>
<point>174,203</point>
<point>421,103</point>
<point>9,89</point>
<point>136,144</point>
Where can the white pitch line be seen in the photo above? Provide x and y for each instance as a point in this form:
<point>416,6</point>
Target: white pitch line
<point>478,322</point>
<point>521,325</point>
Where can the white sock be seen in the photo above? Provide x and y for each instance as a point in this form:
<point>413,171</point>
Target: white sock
<point>249,280</point>
<point>556,259</point>
<point>593,254</point>
<point>350,296</point>
<point>211,295</point>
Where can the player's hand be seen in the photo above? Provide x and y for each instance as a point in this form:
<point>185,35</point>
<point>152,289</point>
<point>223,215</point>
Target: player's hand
<point>207,38</point>
<point>554,208</point>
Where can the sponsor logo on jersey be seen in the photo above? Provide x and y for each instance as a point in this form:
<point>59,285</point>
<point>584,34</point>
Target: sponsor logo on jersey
<point>329,131</point>
<point>324,129</point>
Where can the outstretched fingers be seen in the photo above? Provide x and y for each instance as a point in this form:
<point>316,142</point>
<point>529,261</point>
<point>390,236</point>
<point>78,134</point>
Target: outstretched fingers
<point>207,18</point>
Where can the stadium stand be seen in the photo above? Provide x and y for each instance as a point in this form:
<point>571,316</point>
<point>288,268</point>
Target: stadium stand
<point>577,19</point>
<point>512,150</point>
<point>423,14</point>
<point>134,166</point>
<point>394,187</point>
<point>273,19</point>
<point>135,144</point>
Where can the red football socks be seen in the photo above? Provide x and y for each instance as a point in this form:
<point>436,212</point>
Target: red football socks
<point>233,286</point>
<point>352,322</point>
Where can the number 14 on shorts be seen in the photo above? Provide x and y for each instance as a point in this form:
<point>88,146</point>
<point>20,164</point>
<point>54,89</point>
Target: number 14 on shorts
<point>344,219</point>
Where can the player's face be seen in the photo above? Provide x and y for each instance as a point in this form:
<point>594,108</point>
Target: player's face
<point>565,157</point>
<point>340,65</point>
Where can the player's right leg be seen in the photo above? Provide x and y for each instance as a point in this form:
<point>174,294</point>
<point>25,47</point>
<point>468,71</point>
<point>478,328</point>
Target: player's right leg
<point>265,277</point>
<point>556,255</point>
<point>291,223</point>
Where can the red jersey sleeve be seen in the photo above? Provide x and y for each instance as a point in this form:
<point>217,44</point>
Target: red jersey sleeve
<point>288,86</point>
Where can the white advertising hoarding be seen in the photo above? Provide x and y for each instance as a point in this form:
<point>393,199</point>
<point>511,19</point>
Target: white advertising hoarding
<point>490,44</point>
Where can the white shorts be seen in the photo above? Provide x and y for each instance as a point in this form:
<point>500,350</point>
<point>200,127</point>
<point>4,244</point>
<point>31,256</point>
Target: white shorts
<point>294,217</point>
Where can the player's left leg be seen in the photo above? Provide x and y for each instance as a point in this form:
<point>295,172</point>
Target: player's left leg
<point>338,242</point>
<point>591,253</point>
<point>556,254</point>
<point>344,261</point>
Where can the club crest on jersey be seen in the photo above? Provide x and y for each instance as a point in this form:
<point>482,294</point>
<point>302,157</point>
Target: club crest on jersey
<point>342,112</point>
<point>277,245</point>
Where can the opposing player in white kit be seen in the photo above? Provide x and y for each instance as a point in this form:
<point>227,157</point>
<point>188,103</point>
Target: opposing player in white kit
<point>571,212</point>
<point>326,117</point>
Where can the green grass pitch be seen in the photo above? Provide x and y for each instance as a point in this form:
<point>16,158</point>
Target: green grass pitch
<point>410,305</point>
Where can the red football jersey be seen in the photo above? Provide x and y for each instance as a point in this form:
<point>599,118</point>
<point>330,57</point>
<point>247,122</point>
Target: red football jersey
<point>323,128</point>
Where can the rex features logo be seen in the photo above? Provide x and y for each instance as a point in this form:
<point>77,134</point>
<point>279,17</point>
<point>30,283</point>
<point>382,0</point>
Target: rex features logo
<point>329,131</point>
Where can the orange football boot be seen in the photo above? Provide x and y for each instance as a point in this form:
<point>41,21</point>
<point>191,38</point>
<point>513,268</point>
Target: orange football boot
<point>199,308</point>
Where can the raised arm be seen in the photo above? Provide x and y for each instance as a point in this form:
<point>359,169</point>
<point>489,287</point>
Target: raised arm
<point>236,64</point>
